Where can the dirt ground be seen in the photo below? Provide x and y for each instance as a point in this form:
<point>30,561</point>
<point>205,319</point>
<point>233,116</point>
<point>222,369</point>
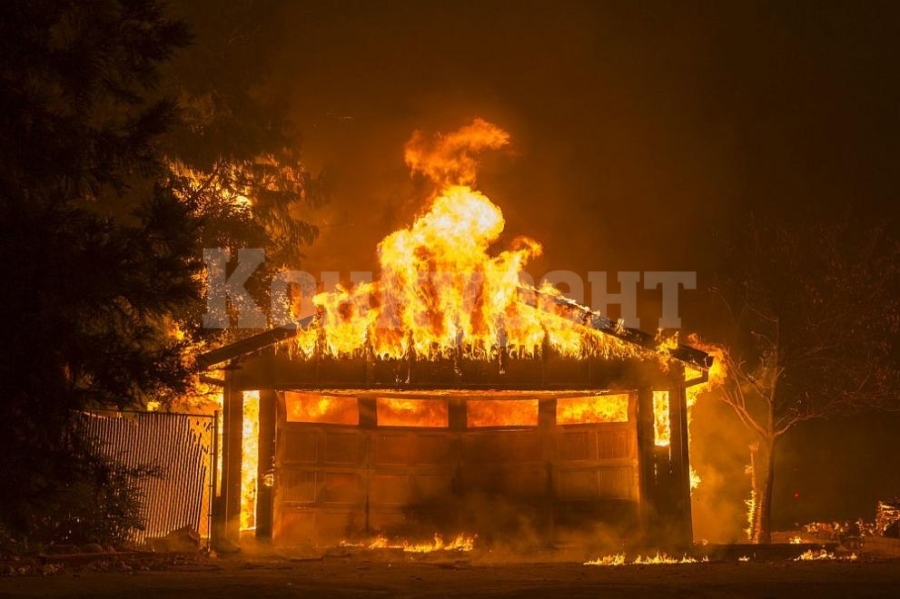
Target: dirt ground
<point>355,577</point>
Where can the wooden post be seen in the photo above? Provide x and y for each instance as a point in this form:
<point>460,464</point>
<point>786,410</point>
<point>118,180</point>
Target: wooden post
<point>548,432</point>
<point>266,463</point>
<point>457,416</point>
<point>646,459</point>
<point>368,412</point>
<point>232,440</point>
<point>680,464</point>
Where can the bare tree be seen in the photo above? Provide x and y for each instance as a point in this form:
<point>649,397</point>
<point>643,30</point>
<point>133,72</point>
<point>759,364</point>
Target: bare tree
<point>814,310</point>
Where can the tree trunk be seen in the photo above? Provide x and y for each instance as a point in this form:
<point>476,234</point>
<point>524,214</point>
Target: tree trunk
<point>765,496</point>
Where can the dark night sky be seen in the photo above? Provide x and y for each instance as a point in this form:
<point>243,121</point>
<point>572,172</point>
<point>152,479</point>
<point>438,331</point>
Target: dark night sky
<point>639,134</point>
<point>642,132</point>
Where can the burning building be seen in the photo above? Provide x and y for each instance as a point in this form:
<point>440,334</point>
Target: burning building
<point>447,397</point>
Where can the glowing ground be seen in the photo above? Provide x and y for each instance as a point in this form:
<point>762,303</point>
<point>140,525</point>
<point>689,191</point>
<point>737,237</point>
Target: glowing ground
<point>353,577</point>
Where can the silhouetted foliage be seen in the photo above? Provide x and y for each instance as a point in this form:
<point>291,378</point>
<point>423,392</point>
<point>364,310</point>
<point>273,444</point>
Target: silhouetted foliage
<point>123,153</point>
<point>236,160</point>
<point>96,253</point>
<point>101,503</point>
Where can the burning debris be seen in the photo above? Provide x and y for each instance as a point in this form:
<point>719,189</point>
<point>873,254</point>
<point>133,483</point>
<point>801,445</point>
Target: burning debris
<point>887,518</point>
<point>839,531</point>
<point>812,555</point>
<point>460,543</point>
<point>619,559</point>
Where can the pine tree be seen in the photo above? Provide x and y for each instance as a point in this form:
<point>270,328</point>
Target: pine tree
<point>96,252</point>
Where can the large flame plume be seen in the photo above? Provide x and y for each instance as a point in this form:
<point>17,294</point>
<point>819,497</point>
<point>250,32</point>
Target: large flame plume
<point>444,290</point>
<point>441,289</point>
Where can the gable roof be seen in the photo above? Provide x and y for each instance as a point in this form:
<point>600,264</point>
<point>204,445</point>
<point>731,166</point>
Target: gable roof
<point>683,353</point>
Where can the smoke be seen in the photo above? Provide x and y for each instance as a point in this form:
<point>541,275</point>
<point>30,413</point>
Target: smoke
<point>518,529</point>
<point>719,453</point>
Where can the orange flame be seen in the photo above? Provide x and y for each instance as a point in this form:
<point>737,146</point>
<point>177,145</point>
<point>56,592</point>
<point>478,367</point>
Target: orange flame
<point>811,555</point>
<point>320,409</point>
<point>618,559</point>
<point>451,159</point>
<point>590,410</point>
<point>715,376</point>
<point>428,413</point>
<point>661,423</point>
<point>441,290</point>
<point>461,542</point>
<point>501,412</point>
<point>249,459</point>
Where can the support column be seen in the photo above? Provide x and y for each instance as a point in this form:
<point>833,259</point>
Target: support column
<point>680,462</point>
<point>548,432</point>
<point>368,422</point>
<point>266,463</point>
<point>646,459</point>
<point>456,414</point>
<point>232,438</point>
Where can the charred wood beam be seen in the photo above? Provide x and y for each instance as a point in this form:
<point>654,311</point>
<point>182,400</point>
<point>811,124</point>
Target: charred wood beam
<point>704,378</point>
<point>250,344</point>
<point>586,317</point>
